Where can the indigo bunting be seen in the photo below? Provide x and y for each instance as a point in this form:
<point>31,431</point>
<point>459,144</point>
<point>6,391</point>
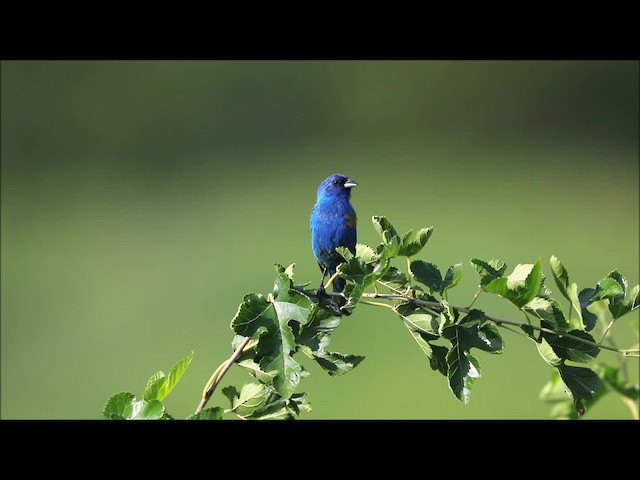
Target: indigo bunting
<point>333,224</point>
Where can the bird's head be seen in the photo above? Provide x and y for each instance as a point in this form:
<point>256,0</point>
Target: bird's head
<point>336,184</point>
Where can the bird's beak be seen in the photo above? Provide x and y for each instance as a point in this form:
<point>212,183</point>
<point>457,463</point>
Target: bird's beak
<point>350,183</point>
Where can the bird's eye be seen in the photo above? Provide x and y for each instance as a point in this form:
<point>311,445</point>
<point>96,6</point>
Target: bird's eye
<point>335,182</point>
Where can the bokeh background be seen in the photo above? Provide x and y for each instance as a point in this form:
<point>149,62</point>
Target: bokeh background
<point>142,199</point>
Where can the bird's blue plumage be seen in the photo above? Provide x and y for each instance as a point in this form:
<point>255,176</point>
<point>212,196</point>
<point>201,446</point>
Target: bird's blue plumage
<point>333,224</point>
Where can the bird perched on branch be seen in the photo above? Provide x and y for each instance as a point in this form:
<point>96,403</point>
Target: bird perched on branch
<point>333,224</point>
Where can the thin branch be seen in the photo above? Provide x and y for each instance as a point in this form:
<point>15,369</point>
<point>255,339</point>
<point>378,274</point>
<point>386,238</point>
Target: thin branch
<point>437,305</point>
<point>219,373</point>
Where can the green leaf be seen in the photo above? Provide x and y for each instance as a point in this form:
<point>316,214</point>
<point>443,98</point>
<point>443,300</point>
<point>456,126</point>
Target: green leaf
<point>436,354</point>
<point>174,377</point>
<point>586,297</point>
<point>547,352</point>
<point>119,406</point>
<point>411,245</point>
<point>427,274</point>
<point>270,319</point>
<point>316,337</point>
<point>277,408</point>
<point>151,410</point>
<point>582,383</point>
<point>521,286</point>
<point>274,351</point>
<point>543,292</point>
<point>452,277</point>
<point>366,253</point>
<point>609,287</point>
<point>549,310</point>
<point>335,363</point>
<point>571,349</point>
<point>153,386</point>
<point>345,253</point>
<point>391,242</point>
<point>254,369</point>
<point>560,275</point>
<point>357,271</point>
<point>488,271</point>
<point>419,320</point>
<point>253,314</point>
<point>474,330</point>
<point>212,413</point>
<point>252,395</point>
<point>384,227</point>
<point>394,278</point>
<point>462,369</point>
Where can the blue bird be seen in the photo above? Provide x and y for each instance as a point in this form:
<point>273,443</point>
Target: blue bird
<point>333,224</point>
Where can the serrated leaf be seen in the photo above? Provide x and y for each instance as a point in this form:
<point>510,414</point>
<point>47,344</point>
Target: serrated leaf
<point>119,406</point>
<point>394,278</point>
<point>277,408</point>
<point>366,253</point>
<point>411,245</point>
<point>488,271</point>
<point>436,354</point>
<point>383,227</point>
<point>316,337</point>
<point>462,370</point>
<point>335,363</point>
<point>153,386</point>
<point>252,395</point>
<point>151,410</point>
<point>543,292</point>
<point>560,275</point>
<point>452,277</point>
<point>549,310</point>
<point>211,413</point>
<point>582,383</point>
<point>568,348</point>
<point>415,318</point>
<point>520,287</point>
<point>174,377</point>
<point>274,350</point>
<point>474,330</point>
<point>427,274</point>
<point>357,271</point>
<point>345,253</point>
<point>609,287</point>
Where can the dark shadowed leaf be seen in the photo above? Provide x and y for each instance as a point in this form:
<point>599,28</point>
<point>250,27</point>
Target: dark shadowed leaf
<point>488,271</point>
<point>427,274</point>
<point>583,383</point>
<point>568,348</point>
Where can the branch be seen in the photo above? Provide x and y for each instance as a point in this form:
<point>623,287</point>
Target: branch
<point>437,305</point>
<point>219,372</point>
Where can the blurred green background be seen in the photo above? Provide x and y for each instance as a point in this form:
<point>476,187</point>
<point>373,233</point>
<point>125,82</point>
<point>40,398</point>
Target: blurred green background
<point>141,200</point>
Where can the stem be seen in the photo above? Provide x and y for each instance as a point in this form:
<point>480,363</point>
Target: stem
<point>220,372</point>
<point>330,281</point>
<point>475,297</point>
<point>378,304</point>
